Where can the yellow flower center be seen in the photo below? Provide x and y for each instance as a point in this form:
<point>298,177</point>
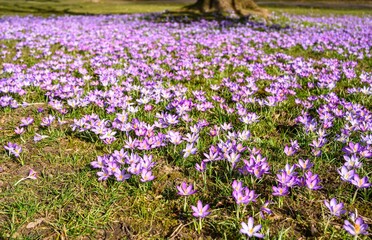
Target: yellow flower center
<point>357,228</point>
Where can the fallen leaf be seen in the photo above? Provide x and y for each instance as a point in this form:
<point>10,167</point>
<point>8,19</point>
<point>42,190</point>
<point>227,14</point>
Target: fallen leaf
<point>35,223</point>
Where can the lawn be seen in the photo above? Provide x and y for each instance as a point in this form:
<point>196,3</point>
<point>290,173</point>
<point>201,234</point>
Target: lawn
<point>73,7</point>
<point>117,126</point>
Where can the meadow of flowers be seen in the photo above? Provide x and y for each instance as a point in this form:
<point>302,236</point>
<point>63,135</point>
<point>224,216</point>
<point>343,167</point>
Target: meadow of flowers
<point>143,126</point>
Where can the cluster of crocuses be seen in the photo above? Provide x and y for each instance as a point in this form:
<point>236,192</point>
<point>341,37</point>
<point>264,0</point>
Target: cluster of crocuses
<point>13,149</point>
<point>200,211</point>
<point>231,151</point>
<point>354,152</point>
<point>257,165</point>
<point>356,121</point>
<point>288,178</point>
<point>356,227</point>
<point>121,165</point>
<point>243,195</point>
<point>28,121</point>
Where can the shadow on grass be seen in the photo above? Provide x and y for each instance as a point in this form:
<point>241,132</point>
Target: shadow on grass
<point>44,11</point>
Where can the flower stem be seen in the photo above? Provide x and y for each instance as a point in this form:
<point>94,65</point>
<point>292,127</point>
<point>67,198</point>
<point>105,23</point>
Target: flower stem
<point>354,197</point>
<point>238,212</point>
<point>281,199</point>
<point>21,161</point>
<point>326,227</point>
<point>204,179</point>
<point>185,205</point>
<point>20,180</point>
<point>200,225</point>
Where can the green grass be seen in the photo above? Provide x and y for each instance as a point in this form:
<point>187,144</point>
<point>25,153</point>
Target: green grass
<point>45,8</point>
<point>319,11</point>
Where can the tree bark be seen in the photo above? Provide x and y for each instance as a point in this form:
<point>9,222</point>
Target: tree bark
<point>239,7</point>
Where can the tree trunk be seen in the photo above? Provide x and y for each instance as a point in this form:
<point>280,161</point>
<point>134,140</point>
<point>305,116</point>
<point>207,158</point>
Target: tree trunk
<point>239,7</point>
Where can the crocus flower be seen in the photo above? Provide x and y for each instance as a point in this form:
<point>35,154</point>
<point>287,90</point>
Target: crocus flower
<point>31,175</point>
<point>26,121</point>
<point>312,181</point>
<point>334,208</point>
<point>286,180</point>
<point>305,164</point>
<point>201,167</point>
<point>280,191</point>
<point>346,174</point>
<point>212,156</point>
<point>121,175</point>
<point>244,196</point>
<point>352,161</point>
<point>237,186</point>
<point>359,227</point>
<point>185,190</point>
<point>174,137</point>
<point>38,137</point>
<point>264,209</point>
<point>289,150</point>
<point>13,149</point>
<point>200,211</point>
<point>250,230</point>
<point>146,176</point>
<point>189,150</point>
<point>19,130</point>
<point>352,148</point>
<point>103,175</point>
<point>233,158</point>
<point>360,182</point>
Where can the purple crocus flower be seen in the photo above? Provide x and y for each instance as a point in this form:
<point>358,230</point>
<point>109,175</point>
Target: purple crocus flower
<point>31,175</point>
<point>289,169</point>
<point>185,190</point>
<point>201,167</point>
<point>289,150</point>
<point>286,180</point>
<point>237,186</point>
<point>19,130</point>
<point>352,161</point>
<point>305,164</point>
<point>103,175</point>
<point>250,230</point>
<point>174,137</point>
<point>244,196</point>
<point>346,174</point>
<point>200,211</point>
<point>312,181</point>
<point>264,209</point>
<point>26,121</point>
<point>47,121</point>
<point>189,150</point>
<point>212,156</point>
<point>334,208</point>
<point>146,176</point>
<point>360,182</point>
<point>13,149</point>
<point>101,161</point>
<point>358,228</point>
<point>280,191</point>
<point>122,175</point>
<point>352,148</point>
<point>38,137</point>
